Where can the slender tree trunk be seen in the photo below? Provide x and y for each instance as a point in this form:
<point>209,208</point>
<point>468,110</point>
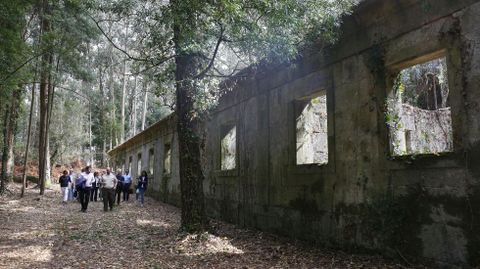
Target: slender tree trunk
<point>191,175</point>
<point>46,64</point>
<point>145,103</point>
<point>27,147</point>
<point>122,111</point>
<point>124,91</point>
<point>103,117</point>
<point>3,175</point>
<point>113,123</point>
<point>48,159</point>
<point>90,133</point>
<point>10,126</point>
<point>134,108</point>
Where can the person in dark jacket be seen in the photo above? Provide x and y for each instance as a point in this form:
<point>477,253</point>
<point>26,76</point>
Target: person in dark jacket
<point>142,183</point>
<point>95,185</point>
<point>64,181</point>
<point>119,188</point>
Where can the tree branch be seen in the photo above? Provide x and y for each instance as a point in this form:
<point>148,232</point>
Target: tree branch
<point>212,60</point>
<point>115,45</point>
<point>152,63</point>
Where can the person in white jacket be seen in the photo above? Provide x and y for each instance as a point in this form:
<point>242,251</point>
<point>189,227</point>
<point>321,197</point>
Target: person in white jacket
<point>85,187</point>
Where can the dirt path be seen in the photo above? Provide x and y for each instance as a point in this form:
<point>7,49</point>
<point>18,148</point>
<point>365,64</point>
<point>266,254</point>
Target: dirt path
<point>40,232</point>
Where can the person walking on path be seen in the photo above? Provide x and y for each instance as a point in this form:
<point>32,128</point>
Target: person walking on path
<point>142,184</point>
<point>71,186</point>
<point>108,184</point>
<point>79,184</point>
<point>87,187</point>
<point>127,182</point>
<point>64,181</point>
<point>94,192</point>
<point>119,189</point>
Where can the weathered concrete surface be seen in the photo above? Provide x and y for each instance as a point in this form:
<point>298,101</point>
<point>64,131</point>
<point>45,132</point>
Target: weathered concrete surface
<point>425,208</point>
<point>422,131</point>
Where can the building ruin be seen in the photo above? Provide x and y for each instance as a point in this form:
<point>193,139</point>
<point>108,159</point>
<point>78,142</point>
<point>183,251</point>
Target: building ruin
<point>333,151</point>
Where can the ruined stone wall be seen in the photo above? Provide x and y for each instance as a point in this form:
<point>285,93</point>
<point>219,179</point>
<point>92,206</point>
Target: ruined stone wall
<point>420,131</point>
<point>363,197</point>
<point>162,186</point>
<point>424,208</point>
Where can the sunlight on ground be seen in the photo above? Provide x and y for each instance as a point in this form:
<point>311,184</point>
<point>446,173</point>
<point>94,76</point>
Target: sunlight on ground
<point>24,209</point>
<point>12,202</point>
<point>31,253</point>
<point>195,245</point>
<point>153,223</point>
<point>31,235</point>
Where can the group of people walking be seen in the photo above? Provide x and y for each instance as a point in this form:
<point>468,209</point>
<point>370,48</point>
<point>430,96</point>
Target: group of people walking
<point>88,187</point>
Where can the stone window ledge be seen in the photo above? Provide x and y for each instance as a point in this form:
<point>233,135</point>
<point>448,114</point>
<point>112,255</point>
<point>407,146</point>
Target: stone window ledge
<point>227,173</point>
<point>428,161</point>
<point>303,169</point>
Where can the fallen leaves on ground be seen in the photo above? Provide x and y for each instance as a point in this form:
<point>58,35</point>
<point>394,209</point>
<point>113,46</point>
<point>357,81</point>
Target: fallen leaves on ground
<point>41,232</point>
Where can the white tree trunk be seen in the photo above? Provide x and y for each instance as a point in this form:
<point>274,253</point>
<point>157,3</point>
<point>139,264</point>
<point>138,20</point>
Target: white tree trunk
<point>48,168</point>
<point>124,89</point>
<point>134,108</point>
<point>90,150</point>
<point>145,103</point>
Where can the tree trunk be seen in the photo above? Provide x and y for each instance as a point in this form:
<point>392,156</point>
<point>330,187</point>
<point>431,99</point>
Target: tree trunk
<point>134,108</point>
<point>49,159</point>
<point>27,146</point>
<point>48,164</point>
<point>90,134</point>
<point>3,175</point>
<point>145,105</point>
<point>103,110</point>
<point>44,98</point>
<point>113,123</point>
<point>124,91</point>
<point>10,123</point>
<point>191,174</point>
<point>122,111</point>
<point>188,65</point>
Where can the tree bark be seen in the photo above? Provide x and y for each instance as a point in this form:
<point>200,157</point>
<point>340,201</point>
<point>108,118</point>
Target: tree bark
<point>10,124</point>
<point>27,146</point>
<point>113,124</point>
<point>191,174</point>
<point>103,117</point>
<point>3,175</point>
<point>134,108</point>
<point>46,64</point>
<point>48,158</point>
<point>124,91</point>
<point>145,105</point>
<point>188,65</point>
<point>90,152</point>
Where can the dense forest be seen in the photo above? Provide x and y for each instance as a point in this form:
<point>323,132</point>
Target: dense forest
<point>78,78</point>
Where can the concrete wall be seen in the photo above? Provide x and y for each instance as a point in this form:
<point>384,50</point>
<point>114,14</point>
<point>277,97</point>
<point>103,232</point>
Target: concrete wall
<point>420,131</point>
<point>421,208</point>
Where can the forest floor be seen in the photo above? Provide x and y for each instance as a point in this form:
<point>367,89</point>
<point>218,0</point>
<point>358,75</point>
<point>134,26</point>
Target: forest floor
<point>41,232</point>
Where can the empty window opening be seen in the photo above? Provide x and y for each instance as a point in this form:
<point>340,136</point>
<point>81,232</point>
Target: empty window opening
<point>151,161</point>
<point>418,110</point>
<point>228,151</point>
<point>139,164</point>
<point>167,160</point>
<point>311,131</point>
